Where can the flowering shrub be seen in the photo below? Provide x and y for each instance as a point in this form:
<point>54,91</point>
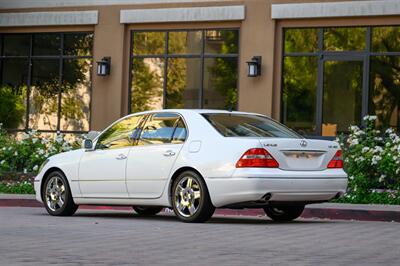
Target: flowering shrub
<point>372,161</point>
<point>25,155</point>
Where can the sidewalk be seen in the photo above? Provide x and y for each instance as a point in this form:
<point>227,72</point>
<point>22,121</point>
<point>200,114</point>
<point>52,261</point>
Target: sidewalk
<point>339,211</point>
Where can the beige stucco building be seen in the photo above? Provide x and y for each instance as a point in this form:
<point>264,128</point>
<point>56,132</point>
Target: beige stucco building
<point>321,60</point>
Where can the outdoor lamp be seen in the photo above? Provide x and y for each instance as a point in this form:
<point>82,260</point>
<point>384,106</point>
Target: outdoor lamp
<point>254,67</point>
<point>104,66</point>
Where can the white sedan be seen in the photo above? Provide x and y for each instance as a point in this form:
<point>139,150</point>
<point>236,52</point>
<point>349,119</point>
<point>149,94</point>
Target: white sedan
<point>194,161</point>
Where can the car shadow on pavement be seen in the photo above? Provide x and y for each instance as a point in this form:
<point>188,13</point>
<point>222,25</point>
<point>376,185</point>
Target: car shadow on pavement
<point>217,219</point>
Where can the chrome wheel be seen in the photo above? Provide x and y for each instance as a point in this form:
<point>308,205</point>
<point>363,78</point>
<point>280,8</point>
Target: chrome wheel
<point>55,193</point>
<point>187,196</point>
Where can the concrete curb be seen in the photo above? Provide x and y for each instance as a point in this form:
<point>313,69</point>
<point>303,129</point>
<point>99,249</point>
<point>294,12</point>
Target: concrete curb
<point>333,211</point>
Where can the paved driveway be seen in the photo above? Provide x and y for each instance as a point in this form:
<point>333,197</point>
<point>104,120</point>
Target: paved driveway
<point>28,236</point>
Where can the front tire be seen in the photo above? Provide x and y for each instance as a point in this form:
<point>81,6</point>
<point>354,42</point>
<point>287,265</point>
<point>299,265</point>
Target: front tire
<point>147,211</point>
<point>190,198</point>
<point>283,213</point>
<point>57,197</point>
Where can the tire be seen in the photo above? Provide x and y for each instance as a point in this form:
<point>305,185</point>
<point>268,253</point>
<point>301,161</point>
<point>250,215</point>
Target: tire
<point>56,195</point>
<point>147,211</point>
<point>283,213</point>
<point>190,198</point>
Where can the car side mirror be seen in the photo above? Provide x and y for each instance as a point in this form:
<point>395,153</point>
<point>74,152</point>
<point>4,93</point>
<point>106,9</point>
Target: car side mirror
<point>88,145</point>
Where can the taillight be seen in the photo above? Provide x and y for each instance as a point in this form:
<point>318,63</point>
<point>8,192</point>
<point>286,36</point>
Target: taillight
<point>337,160</point>
<point>257,157</point>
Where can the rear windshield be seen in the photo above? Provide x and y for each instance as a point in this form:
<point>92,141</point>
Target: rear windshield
<point>241,125</point>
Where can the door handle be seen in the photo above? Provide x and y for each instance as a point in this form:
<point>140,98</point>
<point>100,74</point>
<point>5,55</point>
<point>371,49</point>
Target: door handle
<point>169,153</point>
<point>121,157</point>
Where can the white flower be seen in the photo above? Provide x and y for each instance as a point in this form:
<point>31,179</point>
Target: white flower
<point>25,171</point>
<point>3,162</point>
<point>25,136</point>
<point>353,142</point>
<point>377,149</point>
<point>15,153</point>
<point>370,118</point>
<point>35,168</point>
<point>389,130</point>
<point>351,177</point>
<point>365,149</point>
<point>376,159</point>
<point>34,140</point>
<point>382,178</point>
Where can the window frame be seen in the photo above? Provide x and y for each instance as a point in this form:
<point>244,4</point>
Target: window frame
<point>166,55</point>
<point>323,55</point>
<point>61,57</point>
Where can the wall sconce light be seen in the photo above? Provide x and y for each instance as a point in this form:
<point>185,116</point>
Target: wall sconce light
<point>254,67</point>
<point>104,66</point>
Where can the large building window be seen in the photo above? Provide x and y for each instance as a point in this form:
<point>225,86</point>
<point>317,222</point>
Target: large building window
<point>184,69</point>
<point>332,77</point>
<point>45,81</point>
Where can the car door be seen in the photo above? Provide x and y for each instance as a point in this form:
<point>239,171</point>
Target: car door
<point>151,159</point>
<point>102,171</point>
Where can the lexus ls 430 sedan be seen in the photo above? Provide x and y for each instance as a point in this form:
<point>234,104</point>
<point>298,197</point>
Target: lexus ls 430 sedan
<point>194,161</point>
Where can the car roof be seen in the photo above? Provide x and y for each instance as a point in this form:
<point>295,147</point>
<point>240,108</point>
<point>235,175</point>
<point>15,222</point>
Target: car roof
<point>198,111</point>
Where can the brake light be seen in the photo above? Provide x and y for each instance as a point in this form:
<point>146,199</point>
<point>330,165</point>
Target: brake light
<point>337,160</point>
<point>257,157</point>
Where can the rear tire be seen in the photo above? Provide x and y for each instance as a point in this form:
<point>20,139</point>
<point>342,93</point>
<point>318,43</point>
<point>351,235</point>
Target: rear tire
<point>283,213</point>
<point>147,211</point>
<point>56,195</point>
<point>190,198</point>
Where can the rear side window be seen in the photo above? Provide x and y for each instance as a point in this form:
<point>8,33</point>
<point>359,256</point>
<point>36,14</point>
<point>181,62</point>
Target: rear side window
<point>241,125</point>
<point>162,128</point>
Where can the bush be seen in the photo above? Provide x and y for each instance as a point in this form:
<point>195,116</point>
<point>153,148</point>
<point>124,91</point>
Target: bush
<point>372,161</point>
<point>26,154</point>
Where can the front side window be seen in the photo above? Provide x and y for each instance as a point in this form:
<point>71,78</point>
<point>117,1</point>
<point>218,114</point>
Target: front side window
<point>120,135</point>
<point>184,69</point>
<point>45,81</point>
<point>242,125</point>
<point>163,128</point>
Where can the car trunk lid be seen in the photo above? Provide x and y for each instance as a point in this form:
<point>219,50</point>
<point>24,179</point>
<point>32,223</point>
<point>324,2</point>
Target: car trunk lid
<point>300,154</point>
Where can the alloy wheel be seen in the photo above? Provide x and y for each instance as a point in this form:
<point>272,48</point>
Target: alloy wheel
<point>187,196</point>
<point>55,193</point>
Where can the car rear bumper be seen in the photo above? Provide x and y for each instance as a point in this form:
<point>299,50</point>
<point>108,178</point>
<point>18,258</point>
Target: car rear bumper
<point>282,186</point>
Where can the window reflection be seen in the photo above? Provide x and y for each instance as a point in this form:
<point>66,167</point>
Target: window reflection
<point>147,84</point>
<point>184,42</point>
<point>13,91</point>
<point>16,44</point>
<point>120,135</point>
<point>342,96</point>
<point>220,77</point>
<point>301,40</point>
<point>385,90</point>
<point>79,44</point>
<point>345,39</point>
<point>75,95</point>
<point>184,82</point>
<point>222,42</point>
<point>159,129</point>
<point>43,100</point>
<point>46,44</point>
<point>148,43</point>
<point>299,94</point>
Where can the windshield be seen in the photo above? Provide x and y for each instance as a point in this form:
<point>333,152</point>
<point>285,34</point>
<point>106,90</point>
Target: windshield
<point>243,125</point>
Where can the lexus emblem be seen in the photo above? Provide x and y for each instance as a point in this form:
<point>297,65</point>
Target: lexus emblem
<point>303,143</point>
